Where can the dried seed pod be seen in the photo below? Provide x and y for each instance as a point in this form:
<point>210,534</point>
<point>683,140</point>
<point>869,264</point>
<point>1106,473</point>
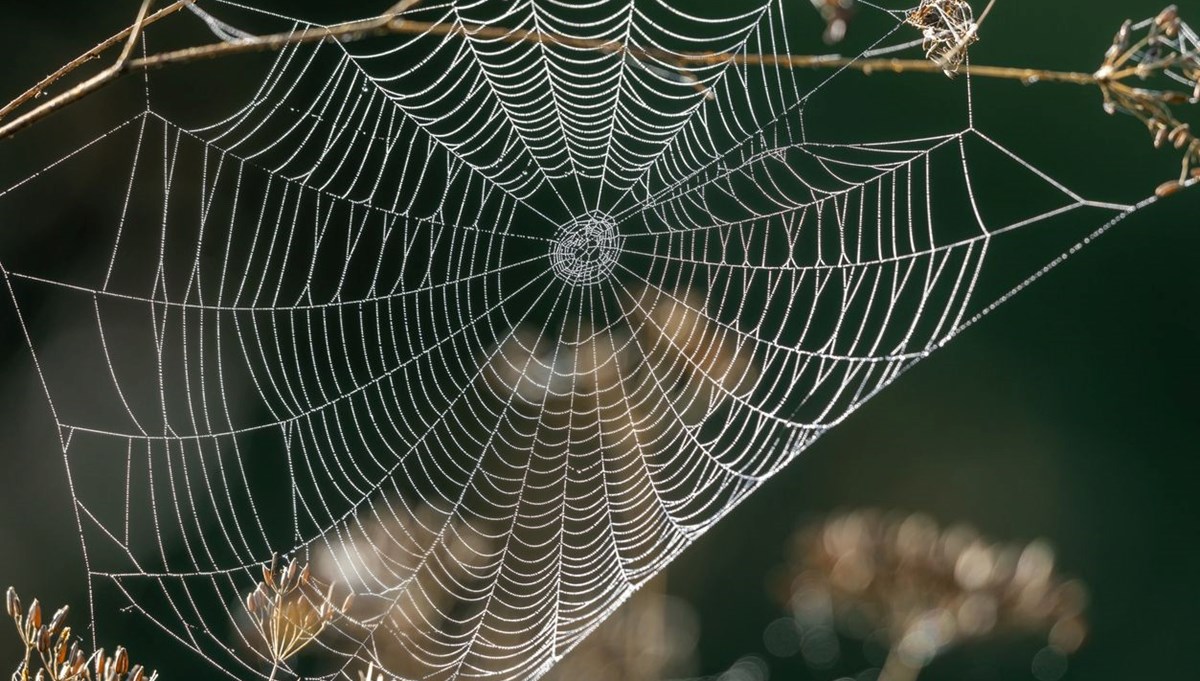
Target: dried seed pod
<point>269,571</point>
<point>1160,136</point>
<point>1121,40</point>
<point>60,616</point>
<point>1168,21</point>
<point>13,603</point>
<point>1180,136</point>
<point>121,660</point>
<point>99,661</point>
<point>1168,188</point>
<point>34,619</point>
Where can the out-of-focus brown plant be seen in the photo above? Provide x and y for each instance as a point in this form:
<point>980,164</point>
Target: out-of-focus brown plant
<point>837,15</point>
<point>924,589</point>
<point>651,637</point>
<point>59,656</point>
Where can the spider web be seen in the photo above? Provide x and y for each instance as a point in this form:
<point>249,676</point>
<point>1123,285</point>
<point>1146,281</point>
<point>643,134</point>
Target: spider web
<point>489,330</point>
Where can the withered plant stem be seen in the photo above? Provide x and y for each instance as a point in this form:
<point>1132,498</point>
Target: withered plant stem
<point>91,55</point>
<point>390,23</point>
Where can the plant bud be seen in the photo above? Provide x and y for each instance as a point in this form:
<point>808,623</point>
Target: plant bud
<point>1121,41</point>
<point>13,603</point>
<point>1167,189</point>
<point>99,659</point>
<point>1160,137</point>
<point>1167,18</point>
<point>59,618</point>
<point>34,620</point>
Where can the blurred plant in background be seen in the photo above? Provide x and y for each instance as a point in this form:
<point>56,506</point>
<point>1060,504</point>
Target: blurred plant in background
<point>917,590</point>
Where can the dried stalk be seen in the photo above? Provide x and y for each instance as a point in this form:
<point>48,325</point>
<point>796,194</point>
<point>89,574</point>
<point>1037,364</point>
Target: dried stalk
<point>392,23</point>
<point>91,55</point>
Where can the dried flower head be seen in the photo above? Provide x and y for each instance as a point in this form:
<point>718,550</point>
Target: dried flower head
<point>290,609</point>
<point>949,28</point>
<point>925,589</point>
<point>59,655</point>
<point>1151,68</point>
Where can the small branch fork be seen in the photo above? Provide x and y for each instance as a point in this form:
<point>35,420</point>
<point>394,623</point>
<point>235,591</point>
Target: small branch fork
<point>392,22</point>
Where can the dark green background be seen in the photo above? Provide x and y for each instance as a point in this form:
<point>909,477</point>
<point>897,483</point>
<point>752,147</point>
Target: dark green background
<point>1068,413</point>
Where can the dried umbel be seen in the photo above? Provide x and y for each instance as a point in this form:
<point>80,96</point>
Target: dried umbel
<point>59,656</point>
<point>949,28</point>
<point>925,589</point>
<point>1152,69</point>
<point>290,609</point>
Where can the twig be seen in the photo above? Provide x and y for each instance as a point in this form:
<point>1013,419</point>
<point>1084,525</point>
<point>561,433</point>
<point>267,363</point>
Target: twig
<point>134,34</point>
<point>91,55</point>
<point>108,75</point>
<point>391,23</point>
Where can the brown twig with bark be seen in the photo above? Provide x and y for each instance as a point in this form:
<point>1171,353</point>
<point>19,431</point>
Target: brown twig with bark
<point>393,22</point>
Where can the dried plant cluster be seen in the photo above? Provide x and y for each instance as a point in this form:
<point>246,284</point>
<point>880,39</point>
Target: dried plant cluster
<point>59,656</point>
<point>290,609</point>
<point>1164,59</point>
<point>925,589</point>
<point>948,27</point>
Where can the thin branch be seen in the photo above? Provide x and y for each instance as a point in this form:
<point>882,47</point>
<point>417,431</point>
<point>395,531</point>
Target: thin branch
<point>391,23</point>
<point>91,55</point>
<point>135,33</point>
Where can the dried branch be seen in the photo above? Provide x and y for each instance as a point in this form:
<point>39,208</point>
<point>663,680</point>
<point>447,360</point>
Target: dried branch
<point>393,23</point>
<point>91,55</point>
<point>949,28</point>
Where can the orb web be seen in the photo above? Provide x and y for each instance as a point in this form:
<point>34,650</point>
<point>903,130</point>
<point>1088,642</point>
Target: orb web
<point>490,330</point>
<point>585,251</point>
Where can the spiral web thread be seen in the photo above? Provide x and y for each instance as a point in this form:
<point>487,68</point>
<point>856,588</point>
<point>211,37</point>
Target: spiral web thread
<point>490,331</point>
